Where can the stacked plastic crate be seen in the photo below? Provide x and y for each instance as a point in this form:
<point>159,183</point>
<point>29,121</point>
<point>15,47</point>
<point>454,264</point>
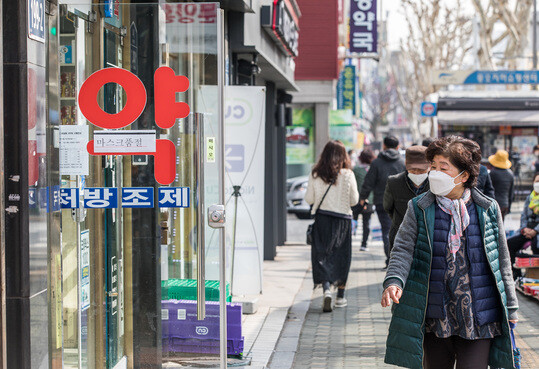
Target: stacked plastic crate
<point>184,333</point>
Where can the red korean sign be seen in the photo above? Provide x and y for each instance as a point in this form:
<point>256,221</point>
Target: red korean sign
<point>167,110</point>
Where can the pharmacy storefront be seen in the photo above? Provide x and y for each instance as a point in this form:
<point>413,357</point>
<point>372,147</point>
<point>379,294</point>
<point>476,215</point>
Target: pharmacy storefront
<point>125,186</point>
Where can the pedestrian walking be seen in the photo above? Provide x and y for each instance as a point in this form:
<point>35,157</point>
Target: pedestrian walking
<point>332,190</point>
<point>403,187</point>
<point>529,227</point>
<point>502,180</point>
<point>388,162</point>
<point>360,171</point>
<point>450,271</point>
<point>536,163</point>
<point>484,183</point>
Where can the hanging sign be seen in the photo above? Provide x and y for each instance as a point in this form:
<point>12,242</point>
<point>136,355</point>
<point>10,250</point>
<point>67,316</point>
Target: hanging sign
<point>428,109</point>
<point>363,26</point>
<point>281,23</point>
<point>36,20</point>
<point>346,89</point>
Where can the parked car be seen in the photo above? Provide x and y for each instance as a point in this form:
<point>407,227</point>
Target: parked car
<point>295,197</point>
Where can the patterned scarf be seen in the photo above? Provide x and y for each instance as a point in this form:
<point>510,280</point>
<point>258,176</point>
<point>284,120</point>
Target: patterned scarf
<point>534,202</point>
<point>460,219</point>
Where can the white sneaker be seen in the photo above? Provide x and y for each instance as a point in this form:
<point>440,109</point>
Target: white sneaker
<point>327,302</point>
<point>341,302</point>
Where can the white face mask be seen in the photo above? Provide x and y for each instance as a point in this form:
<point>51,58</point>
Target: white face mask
<point>441,183</point>
<point>418,178</point>
<point>536,187</point>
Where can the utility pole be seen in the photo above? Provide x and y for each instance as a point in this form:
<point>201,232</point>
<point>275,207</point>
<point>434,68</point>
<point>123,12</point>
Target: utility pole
<point>534,34</point>
<point>534,48</point>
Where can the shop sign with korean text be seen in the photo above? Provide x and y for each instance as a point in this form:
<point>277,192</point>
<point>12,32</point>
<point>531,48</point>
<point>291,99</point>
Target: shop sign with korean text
<point>363,26</point>
<point>484,77</point>
<point>346,89</point>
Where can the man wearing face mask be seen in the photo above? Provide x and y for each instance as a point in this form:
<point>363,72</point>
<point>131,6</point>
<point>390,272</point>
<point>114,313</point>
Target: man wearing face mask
<point>403,187</point>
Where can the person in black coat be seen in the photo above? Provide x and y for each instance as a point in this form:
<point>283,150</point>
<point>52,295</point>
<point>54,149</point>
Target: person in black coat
<point>403,187</point>
<point>502,180</point>
<point>484,183</point>
<point>388,162</point>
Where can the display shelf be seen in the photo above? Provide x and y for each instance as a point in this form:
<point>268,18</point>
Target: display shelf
<point>67,35</point>
<point>531,271</point>
<point>68,98</point>
<point>519,289</point>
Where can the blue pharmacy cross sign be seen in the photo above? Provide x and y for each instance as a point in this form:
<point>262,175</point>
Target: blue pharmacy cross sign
<point>234,158</point>
<point>428,109</point>
<point>36,20</point>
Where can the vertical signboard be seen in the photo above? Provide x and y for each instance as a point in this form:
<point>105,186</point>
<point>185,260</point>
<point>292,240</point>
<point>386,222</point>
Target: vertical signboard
<point>36,20</point>
<point>84,270</point>
<point>244,166</point>
<point>363,26</point>
<point>346,89</point>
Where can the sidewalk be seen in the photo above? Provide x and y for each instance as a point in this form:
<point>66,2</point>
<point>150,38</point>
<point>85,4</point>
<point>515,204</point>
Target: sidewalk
<point>355,336</point>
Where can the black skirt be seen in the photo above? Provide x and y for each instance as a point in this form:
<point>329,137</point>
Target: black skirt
<point>331,249</point>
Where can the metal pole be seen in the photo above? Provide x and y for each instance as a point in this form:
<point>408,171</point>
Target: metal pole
<point>221,162</point>
<point>201,219</point>
<point>534,34</point>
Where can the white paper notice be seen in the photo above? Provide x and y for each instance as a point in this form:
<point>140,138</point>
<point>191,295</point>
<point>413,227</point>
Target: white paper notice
<point>111,142</point>
<point>74,158</point>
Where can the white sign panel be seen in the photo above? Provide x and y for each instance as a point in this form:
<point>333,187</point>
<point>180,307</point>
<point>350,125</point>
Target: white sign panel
<point>84,270</point>
<point>112,142</point>
<point>244,165</point>
<point>74,159</point>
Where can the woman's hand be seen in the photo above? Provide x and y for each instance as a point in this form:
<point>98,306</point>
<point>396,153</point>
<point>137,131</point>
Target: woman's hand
<point>391,293</point>
<point>514,321</point>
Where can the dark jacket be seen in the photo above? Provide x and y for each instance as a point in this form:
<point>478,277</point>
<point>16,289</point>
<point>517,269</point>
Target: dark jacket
<point>410,268</point>
<point>388,162</point>
<point>502,180</point>
<point>396,196</point>
<point>484,183</point>
<point>486,305</point>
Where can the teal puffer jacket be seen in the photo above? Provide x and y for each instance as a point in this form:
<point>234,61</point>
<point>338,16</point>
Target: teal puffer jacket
<point>407,328</point>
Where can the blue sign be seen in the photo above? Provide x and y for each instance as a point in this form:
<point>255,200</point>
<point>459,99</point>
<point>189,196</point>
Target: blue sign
<point>235,158</point>
<point>101,198</point>
<point>503,77</point>
<point>174,197</point>
<point>32,200</point>
<point>346,89</point>
<point>36,20</point>
<point>137,197</point>
<point>55,200</point>
<point>69,198</point>
<point>428,109</point>
<point>43,200</point>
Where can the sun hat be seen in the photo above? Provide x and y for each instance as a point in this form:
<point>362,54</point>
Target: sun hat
<point>500,159</point>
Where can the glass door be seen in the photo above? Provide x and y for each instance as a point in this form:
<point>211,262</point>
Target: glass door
<point>144,272</point>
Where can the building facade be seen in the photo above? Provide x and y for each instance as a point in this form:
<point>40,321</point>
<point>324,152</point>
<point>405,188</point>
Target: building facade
<point>114,174</point>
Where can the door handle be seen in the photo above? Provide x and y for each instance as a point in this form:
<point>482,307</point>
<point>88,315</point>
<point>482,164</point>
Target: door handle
<point>216,216</point>
<point>199,202</point>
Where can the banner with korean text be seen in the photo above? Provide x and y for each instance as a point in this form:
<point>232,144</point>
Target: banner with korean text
<point>363,27</point>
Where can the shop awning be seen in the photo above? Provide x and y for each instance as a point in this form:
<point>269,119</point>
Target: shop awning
<point>525,118</point>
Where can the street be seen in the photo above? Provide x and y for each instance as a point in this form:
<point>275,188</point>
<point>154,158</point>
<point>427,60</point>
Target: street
<point>354,336</point>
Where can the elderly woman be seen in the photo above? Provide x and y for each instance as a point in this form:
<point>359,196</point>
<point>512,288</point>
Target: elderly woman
<point>450,272</point>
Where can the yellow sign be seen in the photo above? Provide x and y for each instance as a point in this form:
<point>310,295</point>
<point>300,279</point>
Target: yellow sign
<point>210,149</point>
